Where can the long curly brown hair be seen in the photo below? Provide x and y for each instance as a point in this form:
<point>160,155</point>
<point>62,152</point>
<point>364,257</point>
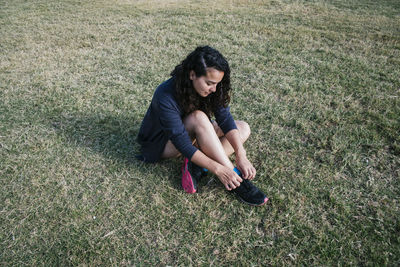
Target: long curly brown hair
<point>199,60</point>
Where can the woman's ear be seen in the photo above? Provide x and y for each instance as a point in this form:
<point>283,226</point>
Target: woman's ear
<point>192,75</point>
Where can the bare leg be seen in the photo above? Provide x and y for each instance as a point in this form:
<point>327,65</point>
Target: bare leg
<point>244,131</point>
<point>197,123</point>
<point>209,137</point>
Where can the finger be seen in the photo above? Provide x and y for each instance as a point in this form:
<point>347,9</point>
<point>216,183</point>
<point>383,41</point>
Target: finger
<point>245,173</point>
<point>236,183</point>
<point>252,173</point>
<point>228,187</point>
<point>231,186</point>
<point>238,178</point>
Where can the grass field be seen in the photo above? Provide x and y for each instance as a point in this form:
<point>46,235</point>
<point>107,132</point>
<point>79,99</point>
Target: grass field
<point>318,82</point>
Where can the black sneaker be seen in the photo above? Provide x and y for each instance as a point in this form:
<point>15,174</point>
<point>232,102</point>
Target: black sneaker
<point>191,175</point>
<point>250,194</point>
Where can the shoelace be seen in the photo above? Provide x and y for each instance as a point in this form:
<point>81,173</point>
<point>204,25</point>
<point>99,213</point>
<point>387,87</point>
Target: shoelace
<point>248,186</point>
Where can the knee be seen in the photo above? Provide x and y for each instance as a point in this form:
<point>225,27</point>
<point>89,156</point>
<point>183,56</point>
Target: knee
<point>244,129</point>
<point>198,119</point>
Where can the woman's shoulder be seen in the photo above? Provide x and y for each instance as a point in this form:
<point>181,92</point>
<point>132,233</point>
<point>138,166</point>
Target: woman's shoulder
<point>166,88</point>
<point>165,93</point>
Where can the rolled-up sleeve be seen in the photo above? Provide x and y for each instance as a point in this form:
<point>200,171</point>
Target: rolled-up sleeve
<point>224,119</point>
<point>173,127</point>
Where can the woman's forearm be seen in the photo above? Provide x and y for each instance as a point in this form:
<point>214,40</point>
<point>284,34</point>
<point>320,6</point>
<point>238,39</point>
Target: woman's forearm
<point>202,160</point>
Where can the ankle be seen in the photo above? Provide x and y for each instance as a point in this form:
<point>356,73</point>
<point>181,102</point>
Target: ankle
<point>237,171</point>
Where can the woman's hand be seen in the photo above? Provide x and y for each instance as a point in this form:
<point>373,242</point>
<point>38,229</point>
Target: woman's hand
<point>228,177</point>
<point>245,167</point>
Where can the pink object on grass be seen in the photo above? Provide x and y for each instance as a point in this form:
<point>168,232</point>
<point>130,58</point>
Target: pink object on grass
<point>187,181</point>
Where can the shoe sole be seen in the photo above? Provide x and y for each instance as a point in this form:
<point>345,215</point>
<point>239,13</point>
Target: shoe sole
<point>187,181</point>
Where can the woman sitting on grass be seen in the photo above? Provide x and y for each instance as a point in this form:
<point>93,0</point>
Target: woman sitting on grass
<point>178,122</point>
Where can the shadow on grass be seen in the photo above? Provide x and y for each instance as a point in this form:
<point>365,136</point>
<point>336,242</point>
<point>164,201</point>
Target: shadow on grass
<point>114,137</point>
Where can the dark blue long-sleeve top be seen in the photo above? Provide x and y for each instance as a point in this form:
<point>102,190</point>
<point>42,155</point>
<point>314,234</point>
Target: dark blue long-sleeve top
<point>164,121</point>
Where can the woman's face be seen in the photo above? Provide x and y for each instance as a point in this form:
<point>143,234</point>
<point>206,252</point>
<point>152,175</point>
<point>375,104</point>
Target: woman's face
<point>206,84</point>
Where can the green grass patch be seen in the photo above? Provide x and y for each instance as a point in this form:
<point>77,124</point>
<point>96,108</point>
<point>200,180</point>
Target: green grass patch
<point>318,82</point>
